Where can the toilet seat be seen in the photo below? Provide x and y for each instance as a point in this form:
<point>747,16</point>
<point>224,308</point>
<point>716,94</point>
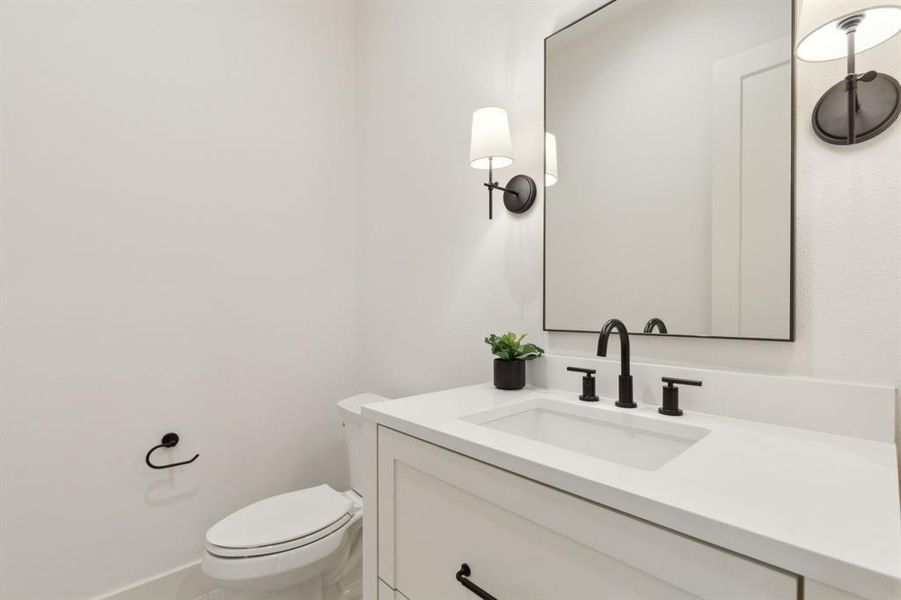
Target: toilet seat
<point>280,523</point>
<point>324,554</point>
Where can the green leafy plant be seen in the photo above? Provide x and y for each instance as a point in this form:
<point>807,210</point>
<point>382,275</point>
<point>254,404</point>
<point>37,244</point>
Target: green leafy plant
<point>510,347</point>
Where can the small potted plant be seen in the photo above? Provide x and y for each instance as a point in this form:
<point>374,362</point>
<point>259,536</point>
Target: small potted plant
<point>510,364</point>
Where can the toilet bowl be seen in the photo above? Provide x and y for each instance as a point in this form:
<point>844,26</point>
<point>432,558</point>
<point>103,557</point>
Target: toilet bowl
<point>302,545</point>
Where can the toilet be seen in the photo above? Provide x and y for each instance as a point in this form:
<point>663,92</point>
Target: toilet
<point>302,545</point>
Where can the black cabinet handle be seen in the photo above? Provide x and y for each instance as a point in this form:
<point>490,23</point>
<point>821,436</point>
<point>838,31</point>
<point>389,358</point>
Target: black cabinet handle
<point>462,575</point>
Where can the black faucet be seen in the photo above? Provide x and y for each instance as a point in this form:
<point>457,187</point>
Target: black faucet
<point>655,322</point>
<point>625,376</point>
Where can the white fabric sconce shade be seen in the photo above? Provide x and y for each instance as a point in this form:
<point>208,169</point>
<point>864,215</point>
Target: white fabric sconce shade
<point>491,149</point>
<point>821,37</point>
<point>490,139</point>
<point>550,159</point>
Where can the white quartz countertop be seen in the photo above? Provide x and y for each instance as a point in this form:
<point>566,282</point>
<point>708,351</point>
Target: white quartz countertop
<point>819,505</point>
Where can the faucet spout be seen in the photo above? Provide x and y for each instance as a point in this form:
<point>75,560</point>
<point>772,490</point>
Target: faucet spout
<point>655,322</point>
<point>620,328</point>
<point>625,376</point>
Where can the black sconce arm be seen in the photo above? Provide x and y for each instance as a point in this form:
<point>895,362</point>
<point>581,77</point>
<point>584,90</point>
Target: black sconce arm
<point>496,186</point>
<point>519,194</point>
<point>493,185</point>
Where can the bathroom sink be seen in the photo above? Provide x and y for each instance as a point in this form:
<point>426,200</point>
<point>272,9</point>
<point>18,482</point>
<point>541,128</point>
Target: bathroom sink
<point>618,436</point>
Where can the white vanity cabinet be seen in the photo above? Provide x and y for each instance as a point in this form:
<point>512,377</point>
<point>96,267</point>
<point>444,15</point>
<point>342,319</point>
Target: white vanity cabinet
<point>388,593</point>
<point>524,540</point>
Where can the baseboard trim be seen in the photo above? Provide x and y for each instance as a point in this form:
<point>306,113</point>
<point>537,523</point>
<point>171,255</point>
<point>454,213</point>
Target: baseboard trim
<point>182,583</point>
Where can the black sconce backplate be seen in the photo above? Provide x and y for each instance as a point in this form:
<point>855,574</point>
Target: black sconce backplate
<point>878,102</point>
<point>525,191</point>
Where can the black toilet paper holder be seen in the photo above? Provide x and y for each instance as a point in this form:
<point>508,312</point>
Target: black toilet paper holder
<point>168,441</point>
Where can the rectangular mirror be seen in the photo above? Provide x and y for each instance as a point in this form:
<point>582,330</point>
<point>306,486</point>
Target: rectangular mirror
<point>673,198</point>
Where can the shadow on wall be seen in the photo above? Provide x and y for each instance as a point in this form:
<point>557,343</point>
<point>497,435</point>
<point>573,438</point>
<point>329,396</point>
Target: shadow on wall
<point>164,491</point>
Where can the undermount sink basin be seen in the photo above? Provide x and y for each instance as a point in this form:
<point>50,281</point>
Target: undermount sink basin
<point>618,436</point>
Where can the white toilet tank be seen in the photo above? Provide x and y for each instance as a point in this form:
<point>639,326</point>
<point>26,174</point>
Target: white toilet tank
<point>352,422</point>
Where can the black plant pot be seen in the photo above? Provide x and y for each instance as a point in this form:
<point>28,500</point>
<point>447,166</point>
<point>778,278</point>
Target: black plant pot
<point>509,374</point>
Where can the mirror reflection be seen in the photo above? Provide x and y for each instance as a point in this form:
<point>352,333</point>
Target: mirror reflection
<point>671,205</point>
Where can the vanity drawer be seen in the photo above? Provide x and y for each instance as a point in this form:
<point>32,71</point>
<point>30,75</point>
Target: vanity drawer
<point>524,540</point>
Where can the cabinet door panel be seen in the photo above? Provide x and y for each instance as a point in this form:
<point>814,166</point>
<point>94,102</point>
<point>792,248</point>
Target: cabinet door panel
<point>439,527</point>
<point>523,540</point>
<point>386,593</point>
<point>814,590</point>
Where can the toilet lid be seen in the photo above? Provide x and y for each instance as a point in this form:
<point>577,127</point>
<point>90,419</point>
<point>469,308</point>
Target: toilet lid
<point>281,519</point>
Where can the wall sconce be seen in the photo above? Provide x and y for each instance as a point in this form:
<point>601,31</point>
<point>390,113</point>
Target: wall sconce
<point>491,149</point>
<point>550,159</point>
<point>862,105</point>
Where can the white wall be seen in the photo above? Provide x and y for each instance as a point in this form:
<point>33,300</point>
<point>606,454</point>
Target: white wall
<point>177,254</point>
<point>435,275</point>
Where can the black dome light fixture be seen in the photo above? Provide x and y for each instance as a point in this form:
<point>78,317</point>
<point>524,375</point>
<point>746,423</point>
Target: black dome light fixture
<point>862,105</point>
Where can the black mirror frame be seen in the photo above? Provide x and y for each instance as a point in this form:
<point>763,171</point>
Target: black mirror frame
<point>792,278</point>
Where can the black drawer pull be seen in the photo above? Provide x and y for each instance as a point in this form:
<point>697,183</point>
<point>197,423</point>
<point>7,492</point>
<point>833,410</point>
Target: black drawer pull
<point>462,575</point>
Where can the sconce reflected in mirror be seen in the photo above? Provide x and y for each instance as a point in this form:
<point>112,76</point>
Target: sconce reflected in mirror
<point>491,148</point>
<point>862,105</point>
<point>550,159</point>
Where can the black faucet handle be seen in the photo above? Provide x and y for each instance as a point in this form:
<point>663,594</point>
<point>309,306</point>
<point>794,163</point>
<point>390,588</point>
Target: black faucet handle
<point>588,372</point>
<point>675,381</point>
<point>588,394</point>
<point>671,395</point>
